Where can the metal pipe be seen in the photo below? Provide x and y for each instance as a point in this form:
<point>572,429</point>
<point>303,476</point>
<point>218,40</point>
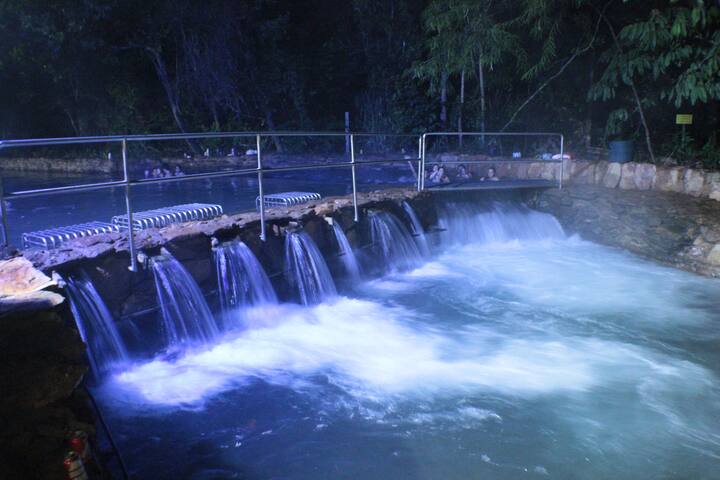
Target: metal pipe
<point>562,161</point>
<point>34,142</point>
<point>422,170</point>
<point>66,189</point>
<point>128,207</point>
<point>263,237</point>
<point>3,212</point>
<point>354,181</point>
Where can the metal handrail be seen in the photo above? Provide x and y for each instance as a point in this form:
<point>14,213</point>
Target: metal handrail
<point>260,170</point>
<point>423,148</point>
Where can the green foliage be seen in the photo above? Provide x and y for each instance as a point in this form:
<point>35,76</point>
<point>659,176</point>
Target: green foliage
<point>462,33</point>
<point>676,47</point>
<point>686,150</point>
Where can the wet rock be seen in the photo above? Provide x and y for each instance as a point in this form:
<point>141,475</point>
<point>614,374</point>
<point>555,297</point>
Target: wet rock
<point>670,228</point>
<point>19,276</point>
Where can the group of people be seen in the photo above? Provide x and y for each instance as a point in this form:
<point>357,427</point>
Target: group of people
<point>164,170</point>
<point>438,174</point>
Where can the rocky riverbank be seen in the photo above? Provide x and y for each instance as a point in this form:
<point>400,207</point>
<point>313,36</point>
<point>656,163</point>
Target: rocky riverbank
<point>43,364</point>
<point>671,228</point>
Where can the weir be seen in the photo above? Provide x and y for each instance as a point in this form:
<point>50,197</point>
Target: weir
<point>417,229</point>
<point>393,242</point>
<point>186,317</point>
<point>242,281</point>
<point>105,347</point>
<point>346,253</point>
<point>306,270</point>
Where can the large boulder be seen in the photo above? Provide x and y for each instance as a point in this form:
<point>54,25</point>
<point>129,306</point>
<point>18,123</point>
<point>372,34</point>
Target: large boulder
<point>670,179</point>
<point>644,176</point>
<point>583,172</point>
<point>712,184</point>
<point>601,169</point>
<point>694,182</point>
<point>612,175</point>
<point>627,176</point>
<point>713,257</point>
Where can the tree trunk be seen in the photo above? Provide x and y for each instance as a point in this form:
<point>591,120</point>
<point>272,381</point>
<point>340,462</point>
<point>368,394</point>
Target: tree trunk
<point>588,113</point>
<point>271,126</point>
<point>460,110</point>
<point>170,92</point>
<point>443,100</point>
<point>641,111</point>
<point>481,79</point>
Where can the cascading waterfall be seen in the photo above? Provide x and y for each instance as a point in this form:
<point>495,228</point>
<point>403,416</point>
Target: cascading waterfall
<point>96,325</point>
<point>346,253</point>
<point>396,245</point>
<point>417,229</point>
<point>241,279</point>
<point>185,313</point>
<point>306,269</point>
<point>495,223</point>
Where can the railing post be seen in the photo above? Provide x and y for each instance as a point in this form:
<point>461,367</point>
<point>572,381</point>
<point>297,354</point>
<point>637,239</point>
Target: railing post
<point>422,161</point>
<point>562,160</point>
<point>261,194</point>
<point>354,181</point>
<point>128,207</point>
<point>420,172</point>
<point>3,212</point>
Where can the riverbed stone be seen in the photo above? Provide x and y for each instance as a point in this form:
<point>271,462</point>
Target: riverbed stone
<point>612,175</point>
<point>694,182</point>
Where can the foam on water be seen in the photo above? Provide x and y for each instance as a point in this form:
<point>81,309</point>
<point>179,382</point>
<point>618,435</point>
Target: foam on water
<point>514,330</point>
<point>376,351</point>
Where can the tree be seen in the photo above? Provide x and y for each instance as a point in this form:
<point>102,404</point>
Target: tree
<point>464,36</point>
<point>674,53</point>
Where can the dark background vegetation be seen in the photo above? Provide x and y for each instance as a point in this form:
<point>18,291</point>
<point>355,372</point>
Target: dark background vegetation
<point>593,70</point>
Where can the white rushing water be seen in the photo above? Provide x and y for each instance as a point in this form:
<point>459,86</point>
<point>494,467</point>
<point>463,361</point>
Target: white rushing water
<point>242,281</point>
<point>517,339</point>
<point>186,317</point>
<point>106,349</point>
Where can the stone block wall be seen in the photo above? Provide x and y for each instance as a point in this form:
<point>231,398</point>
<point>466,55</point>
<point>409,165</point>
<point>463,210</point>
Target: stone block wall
<point>644,176</point>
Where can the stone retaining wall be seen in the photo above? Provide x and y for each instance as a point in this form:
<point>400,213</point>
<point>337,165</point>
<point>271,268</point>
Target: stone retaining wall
<point>670,228</point>
<point>645,176</point>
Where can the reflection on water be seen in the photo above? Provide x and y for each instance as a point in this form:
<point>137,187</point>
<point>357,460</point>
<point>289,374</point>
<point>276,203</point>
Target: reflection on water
<point>515,353</point>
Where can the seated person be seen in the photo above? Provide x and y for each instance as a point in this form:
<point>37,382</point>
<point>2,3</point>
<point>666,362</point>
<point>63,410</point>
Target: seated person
<point>442,176</point>
<point>435,175</point>
<point>491,176</point>
<point>462,173</point>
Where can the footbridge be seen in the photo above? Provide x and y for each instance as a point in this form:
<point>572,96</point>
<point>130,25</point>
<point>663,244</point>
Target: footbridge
<point>134,192</point>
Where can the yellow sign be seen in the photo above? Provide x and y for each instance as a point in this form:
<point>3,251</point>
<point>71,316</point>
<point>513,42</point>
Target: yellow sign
<point>684,119</point>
